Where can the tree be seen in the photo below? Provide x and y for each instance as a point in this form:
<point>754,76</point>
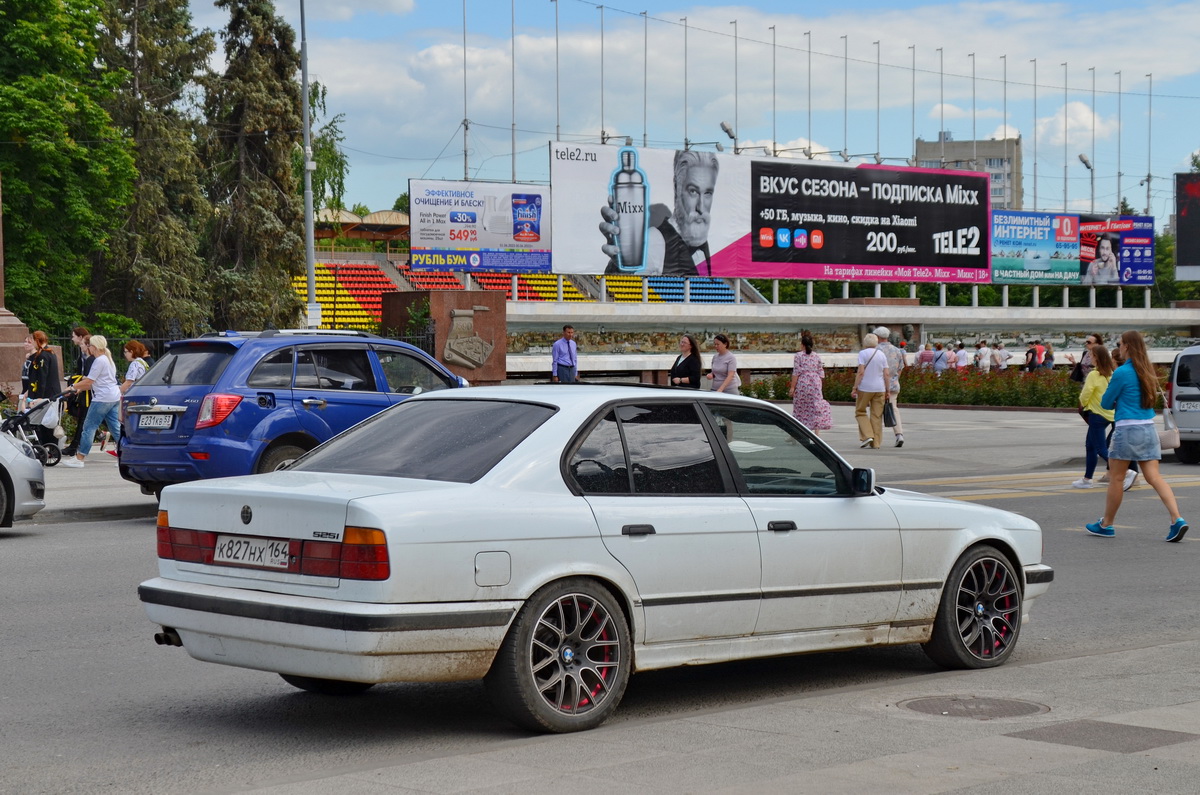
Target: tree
<point>255,242</point>
<point>329,177</point>
<point>67,170</point>
<point>153,270</point>
<point>401,205</point>
<point>1125,208</point>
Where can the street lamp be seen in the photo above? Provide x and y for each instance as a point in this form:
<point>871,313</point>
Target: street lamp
<point>1092,176</point>
<point>689,144</point>
<point>732,133</point>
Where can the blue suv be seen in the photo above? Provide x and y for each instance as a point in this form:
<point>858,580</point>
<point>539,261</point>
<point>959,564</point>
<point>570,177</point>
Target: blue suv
<point>241,403</point>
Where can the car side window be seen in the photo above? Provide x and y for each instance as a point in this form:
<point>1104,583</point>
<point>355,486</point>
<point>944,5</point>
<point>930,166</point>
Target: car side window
<point>334,368</point>
<point>408,375</point>
<point>273,372</point>
<point>776,457</point>
<point>669,450</point>
<point>598,466</point>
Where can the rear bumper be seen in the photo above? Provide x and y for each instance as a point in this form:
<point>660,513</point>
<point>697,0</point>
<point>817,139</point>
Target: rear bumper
<point>173,463</point>
<point>330,639</point>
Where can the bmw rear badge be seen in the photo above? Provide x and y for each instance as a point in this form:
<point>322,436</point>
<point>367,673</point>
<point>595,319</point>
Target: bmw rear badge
<point>247,514</point>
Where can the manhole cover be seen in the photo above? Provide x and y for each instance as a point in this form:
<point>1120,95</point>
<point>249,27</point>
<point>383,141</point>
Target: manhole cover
<point>972,707</point>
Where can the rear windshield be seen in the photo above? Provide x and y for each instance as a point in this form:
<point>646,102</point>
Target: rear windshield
<point>452,440</point>
<point>189,365</point>
<point>1187,372</point>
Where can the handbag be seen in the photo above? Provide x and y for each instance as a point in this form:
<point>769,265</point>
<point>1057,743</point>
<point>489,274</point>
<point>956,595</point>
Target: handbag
<point>889,415</point>
<point>1168,437</point>
<point>1077,372</point>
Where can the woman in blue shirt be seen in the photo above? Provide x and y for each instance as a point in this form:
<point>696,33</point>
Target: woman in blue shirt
<point>1131,395</point>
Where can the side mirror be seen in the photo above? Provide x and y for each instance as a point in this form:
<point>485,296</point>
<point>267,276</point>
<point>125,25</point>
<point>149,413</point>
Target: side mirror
<point>862,482</point>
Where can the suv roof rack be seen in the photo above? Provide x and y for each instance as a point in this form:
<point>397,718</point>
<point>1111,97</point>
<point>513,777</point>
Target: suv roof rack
<point>271,332</point>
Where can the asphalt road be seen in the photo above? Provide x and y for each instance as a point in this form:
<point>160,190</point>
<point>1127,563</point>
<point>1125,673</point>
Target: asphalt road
<point>89,703</point>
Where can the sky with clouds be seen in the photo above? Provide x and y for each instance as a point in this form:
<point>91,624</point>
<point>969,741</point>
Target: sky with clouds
<point>395,68</point>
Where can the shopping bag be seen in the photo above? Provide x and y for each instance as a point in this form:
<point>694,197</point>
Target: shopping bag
<point>50,416</point>
<point>889,414</point>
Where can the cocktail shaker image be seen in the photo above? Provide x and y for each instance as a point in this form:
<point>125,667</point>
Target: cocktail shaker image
<point>630,195</point>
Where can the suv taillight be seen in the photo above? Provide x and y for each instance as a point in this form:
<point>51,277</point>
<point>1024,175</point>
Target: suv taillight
<point>215,408</point>
<point>362,554</point>
<point>1171,387</point>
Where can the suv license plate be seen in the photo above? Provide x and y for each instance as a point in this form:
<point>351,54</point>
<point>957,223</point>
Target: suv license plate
<point>1189,405</point>
<point>266,553</point>
<point>155,420</point>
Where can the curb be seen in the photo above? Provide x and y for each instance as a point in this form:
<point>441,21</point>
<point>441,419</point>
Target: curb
<point>104,513</point>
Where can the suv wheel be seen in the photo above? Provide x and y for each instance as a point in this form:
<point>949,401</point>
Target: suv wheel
<point>278,456</point>
<point>1188,452</point>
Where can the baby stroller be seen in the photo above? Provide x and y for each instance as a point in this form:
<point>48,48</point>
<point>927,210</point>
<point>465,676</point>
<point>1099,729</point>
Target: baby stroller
<point>23,425</point>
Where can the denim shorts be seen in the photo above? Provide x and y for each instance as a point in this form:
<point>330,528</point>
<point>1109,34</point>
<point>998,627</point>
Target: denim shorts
<point>1135,443</point>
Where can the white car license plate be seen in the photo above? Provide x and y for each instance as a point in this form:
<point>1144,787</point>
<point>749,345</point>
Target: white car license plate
<point>155,420</point>
<point>267,553</point>
<point>1189,405</point>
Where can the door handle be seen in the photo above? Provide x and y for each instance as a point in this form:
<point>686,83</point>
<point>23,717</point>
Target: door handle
<point>637,530</point>
<point>313,403</point>
<point>781,527</point>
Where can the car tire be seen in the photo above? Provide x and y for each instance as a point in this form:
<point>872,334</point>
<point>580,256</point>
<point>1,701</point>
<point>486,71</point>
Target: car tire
<point>1188,452</point>
<point>566,660</point>
<point>278,456</point>
<point>326,687</point>
<point>979,618</point>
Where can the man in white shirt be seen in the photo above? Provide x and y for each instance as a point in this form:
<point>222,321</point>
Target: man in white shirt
<point>1000,356</point>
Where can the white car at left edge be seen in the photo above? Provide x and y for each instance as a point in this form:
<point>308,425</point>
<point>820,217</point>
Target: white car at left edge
<point>554,540</point>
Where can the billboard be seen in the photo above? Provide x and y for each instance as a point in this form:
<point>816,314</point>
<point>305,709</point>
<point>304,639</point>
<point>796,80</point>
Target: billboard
<point>1187,226</point>
<point>479,226</point>
<point>1116,250</point>
<point>677,213</point>
<point>1035,248</point>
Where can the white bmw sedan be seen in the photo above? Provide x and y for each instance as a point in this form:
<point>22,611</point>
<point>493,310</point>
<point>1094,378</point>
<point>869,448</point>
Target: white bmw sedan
<point>553,540</point>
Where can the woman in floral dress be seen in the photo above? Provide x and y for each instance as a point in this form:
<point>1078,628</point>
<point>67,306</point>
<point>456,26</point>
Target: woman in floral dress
<point>808,400</point>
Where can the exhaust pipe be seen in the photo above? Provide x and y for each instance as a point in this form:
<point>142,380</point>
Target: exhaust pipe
<point>168,637</point>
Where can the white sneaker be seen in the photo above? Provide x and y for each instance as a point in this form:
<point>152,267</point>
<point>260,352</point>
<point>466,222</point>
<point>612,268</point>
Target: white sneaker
<point>71,461</point>
<point>1130,479</point>
<point>1083,483</point>
<point>868,442</point>
<point>1103,478</point>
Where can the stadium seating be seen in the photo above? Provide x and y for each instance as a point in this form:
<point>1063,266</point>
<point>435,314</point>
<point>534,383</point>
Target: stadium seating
<point>349,293</point>
<point>429,280</point>
<point>530,286</point>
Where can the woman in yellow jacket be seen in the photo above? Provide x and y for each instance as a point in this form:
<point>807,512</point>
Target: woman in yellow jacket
<point>1098,418</point>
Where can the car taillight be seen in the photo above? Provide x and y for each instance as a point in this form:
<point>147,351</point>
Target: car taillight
<point>362,554</point>
<point>1171,388</point>
<point>215,408</point>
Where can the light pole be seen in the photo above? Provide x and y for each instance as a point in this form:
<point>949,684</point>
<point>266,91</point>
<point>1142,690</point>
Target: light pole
<point>808,46</point>
<point>310,254</point>
<point>1092,177</point>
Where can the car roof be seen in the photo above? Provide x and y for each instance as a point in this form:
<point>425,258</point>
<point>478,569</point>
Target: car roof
<point>582,396</point>
<point>282,339</point>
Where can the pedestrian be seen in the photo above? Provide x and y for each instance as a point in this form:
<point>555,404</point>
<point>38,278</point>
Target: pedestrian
<point>895,362</point>
<point>807,388</point>
<point>962,359</point>
<point>1039,352</point>
<point>1031,357</point>
<point>40,380</point>
<point>983,357</point>
<point>78,402</point>
<point>1131,475</point>
<point>686,370</point>
<point>564,358</point>
<point>1132,394</point>
<point>1000,356</point>
<point>925,357</point>
<point>101,382</point>
<point>724,374</point>
<point>1080,369</point>
<point>135,353</point>
<point>1047,357</point>
<point>1096,416</point>
<point>873,377</point>
<point>941,359</point>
